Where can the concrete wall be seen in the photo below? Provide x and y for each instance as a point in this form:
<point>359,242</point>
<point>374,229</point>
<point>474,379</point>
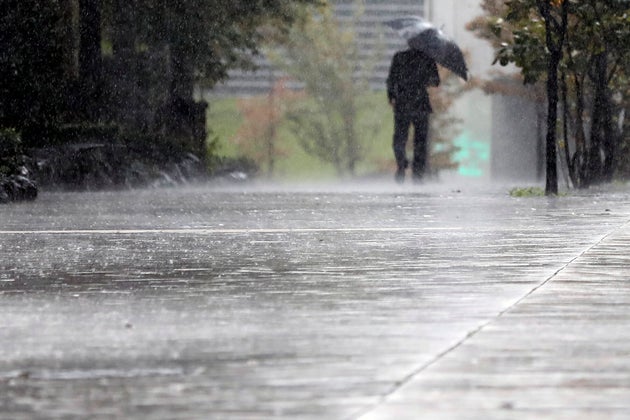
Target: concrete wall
<point>474,108</point>
<point>499,133</point>
<point>454,15</point>
<point>516,139</point>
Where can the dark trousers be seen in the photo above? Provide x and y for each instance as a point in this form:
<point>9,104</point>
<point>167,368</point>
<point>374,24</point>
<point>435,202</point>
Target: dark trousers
<point>420,123</point>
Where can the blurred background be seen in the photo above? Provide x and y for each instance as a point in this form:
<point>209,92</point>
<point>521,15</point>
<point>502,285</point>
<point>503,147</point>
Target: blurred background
<point>101,94</point>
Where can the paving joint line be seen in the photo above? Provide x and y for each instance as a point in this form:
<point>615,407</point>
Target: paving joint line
<point>223,231</point>
<point>238,231</point>
<point>409,377</point>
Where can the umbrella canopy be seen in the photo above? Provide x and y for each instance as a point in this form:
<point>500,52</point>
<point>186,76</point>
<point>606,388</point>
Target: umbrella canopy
<point>424,36</point>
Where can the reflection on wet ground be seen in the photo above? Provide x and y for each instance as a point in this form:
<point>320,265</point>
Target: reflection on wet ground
<point>209,302</point>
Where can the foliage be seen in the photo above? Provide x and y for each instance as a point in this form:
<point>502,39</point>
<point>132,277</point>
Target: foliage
<point>294,163</point>
<point>623,125</point>
<point>208,36</point>
<point>192,43</point>
<point>527,192</point>
<point>324,55</point>
<point>239,168</point>
<point>444,127</point>
<point>31,62</point>
<point>73,133</point>
<point>336,118</point>
<point>10,151</point>
<point>15,182</point>
<point>51,70</point>
<point>263,117</point>
<point>125,160</point>
<point>580,48</point>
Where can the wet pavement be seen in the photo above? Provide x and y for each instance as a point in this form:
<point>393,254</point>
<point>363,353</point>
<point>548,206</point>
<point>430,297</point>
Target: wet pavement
<point>316,302</point>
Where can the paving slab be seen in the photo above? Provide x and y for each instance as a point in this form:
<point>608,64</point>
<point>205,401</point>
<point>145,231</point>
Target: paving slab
<point>561,352</point>
<point>314,302</point>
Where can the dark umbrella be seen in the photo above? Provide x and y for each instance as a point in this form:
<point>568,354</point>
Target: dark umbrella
<point>424,36</point>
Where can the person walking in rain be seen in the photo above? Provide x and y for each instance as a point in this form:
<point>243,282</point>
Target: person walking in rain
<point>411,72</point>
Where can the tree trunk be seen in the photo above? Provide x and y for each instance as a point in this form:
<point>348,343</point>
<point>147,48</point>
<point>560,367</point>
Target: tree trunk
<point>604,102</point>
<point>272,130</point>
<point>565,130</point>
<point>182,83</point>
<point>90,33</point>
<point>125,94</point>
<point>555,47</point>
<point>580,158</point>
<point>540,143</point>
<point>551,187</point>
<point>90,62</point>
<point>352,144</point>
<point>70,16</point>
<point>601,127</point>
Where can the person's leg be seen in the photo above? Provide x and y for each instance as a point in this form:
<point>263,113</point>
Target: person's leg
<point>421,132</point>
<point>401,134</point>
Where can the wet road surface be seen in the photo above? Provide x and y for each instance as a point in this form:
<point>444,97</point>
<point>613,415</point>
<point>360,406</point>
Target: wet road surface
<point>320,302</point>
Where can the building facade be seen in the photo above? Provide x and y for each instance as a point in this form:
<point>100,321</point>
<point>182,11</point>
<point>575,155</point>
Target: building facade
<point>369,28</point>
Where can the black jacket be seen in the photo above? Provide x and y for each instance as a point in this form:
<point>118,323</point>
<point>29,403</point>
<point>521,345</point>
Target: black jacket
<point>409,75</point>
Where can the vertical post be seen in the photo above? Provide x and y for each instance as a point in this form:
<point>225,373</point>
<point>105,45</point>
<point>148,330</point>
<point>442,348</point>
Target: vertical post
<point>555,47</point>
<point>540,143</point>
<point>70,17</point>
<point>128,109</point>
<point>90,62</point>
<point>90,36</point>
<point>427,10</point>
<point>551,187</point>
